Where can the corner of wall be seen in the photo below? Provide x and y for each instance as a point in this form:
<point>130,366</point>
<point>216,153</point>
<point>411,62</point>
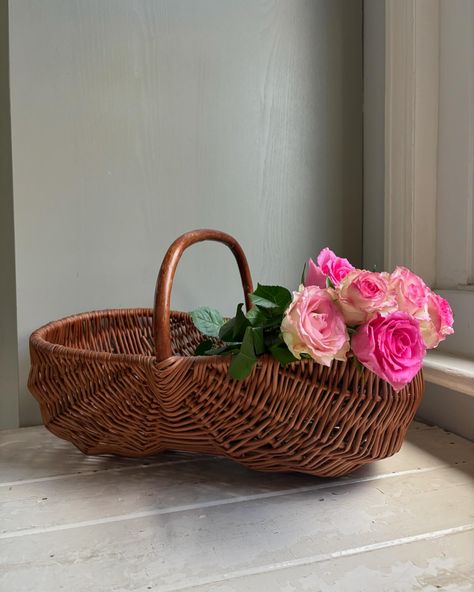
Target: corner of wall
<point>9,381</point>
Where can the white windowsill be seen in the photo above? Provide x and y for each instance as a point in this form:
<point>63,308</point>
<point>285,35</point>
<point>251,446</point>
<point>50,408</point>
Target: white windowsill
<point>451,371</point>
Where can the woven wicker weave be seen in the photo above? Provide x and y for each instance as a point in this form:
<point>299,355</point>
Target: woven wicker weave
<point>126,382</point>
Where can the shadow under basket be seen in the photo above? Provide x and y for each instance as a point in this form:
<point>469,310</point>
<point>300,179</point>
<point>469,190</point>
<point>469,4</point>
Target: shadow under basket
<point>126,382</point>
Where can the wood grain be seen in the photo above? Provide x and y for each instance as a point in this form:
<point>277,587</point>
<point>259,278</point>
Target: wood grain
<point>150,118</point>
<point>404,524</point>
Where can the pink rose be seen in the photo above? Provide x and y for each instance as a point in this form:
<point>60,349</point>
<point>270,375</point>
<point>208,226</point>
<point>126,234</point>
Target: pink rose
<point>314,325</point>
<point>392,347</point>
<point>336,268</point>
<point>329,265</point>
<point>362,294</point>
<point>440,323</point>
<point>410,292</point>
<point>314,275</point>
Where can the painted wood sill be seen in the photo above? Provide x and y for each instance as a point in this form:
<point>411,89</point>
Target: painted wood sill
<point>450,370</point>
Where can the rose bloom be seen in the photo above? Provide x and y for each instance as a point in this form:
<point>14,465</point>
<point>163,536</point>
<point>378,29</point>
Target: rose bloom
<point>392,347</point>
<point>314,276</point>
<point>329,265</point>
<point>314,325</point>
<point>362,294</point>
<point>440,323</point>
<point>410,291</point>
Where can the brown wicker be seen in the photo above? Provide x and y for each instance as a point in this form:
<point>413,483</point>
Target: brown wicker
<point>126,382</point>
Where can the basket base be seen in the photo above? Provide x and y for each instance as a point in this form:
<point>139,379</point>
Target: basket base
<point>323,467</point>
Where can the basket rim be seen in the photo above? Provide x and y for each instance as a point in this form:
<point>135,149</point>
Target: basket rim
<point>38,339</point>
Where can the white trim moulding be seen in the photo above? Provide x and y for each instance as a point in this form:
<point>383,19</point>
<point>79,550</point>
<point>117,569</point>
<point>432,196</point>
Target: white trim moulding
<point>411,134</point>
<point>452,372</point>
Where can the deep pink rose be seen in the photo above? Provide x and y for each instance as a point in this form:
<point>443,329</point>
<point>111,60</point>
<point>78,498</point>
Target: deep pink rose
<point>362,294</point>
<point>314,275</point>
<point>336,268</point>
<point>314,325</point>
<point>392,347</point>
<point>440,323</point>
<point>329,265</point>
<point>410,291</point>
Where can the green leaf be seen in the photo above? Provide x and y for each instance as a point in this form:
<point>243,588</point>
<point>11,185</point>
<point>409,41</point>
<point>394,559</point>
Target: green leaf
<point>272,337</point>
<point>229,348</point>
<point>234,329</point>
<point>262,317</point>
<point>281,353</point>
<point>329,284</point>
<point>358,364</point>
<point>203,347</point>
<point>208,321</point>
<point>303,274</point>
<point>273,297</point>
<point>242,364</point>
<point>258,342</point>
<point>256,316</point>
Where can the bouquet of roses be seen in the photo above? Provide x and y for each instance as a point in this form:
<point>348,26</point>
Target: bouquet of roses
<point>385,321</point>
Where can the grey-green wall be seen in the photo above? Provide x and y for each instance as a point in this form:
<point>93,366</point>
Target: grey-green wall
<point>135,121</point>
<point>374,134</point>
<point>8,330</point>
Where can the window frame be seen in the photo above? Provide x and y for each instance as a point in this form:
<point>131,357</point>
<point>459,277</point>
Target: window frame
<point>412,127</point>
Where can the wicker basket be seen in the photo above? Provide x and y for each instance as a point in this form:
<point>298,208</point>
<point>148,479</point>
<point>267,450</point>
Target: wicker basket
<point>126,382</point>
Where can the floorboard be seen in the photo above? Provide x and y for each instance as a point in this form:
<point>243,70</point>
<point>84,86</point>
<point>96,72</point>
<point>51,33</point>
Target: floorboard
<point>184,522</point>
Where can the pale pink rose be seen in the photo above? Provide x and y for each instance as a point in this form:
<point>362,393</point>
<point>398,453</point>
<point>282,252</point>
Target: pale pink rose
<point>314,275</point>
<point>410,291</point>
<point>314,325</point>
<point>336,268</point>
<point>392,347</point>
<point>440,323</point>
<point>362,294</point>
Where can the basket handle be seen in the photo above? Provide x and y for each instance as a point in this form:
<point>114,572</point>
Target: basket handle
<point>164,282</point>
